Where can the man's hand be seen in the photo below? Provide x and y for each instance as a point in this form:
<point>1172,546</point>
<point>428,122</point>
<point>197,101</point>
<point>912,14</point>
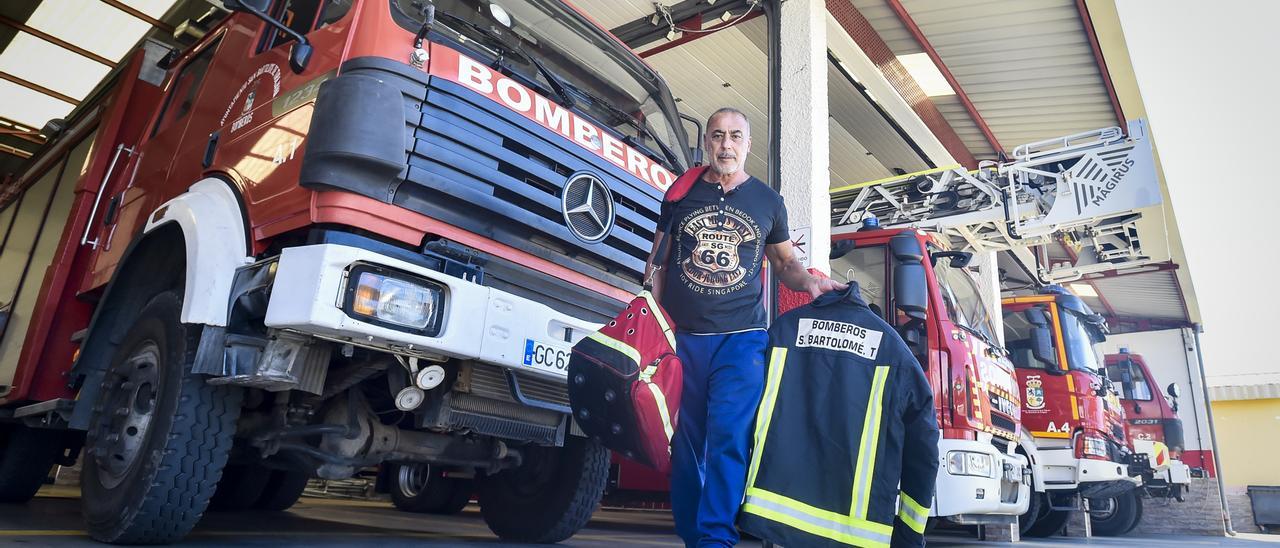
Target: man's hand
<point>818,285</point>
<point>793,274</point>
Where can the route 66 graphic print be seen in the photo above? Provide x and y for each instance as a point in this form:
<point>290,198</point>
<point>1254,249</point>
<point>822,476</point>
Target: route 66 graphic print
<point>714,265</point>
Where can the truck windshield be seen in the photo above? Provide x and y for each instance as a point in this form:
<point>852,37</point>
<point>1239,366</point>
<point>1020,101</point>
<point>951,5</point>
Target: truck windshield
<point>1079,341</point>
<point>963,301</point>
<point>606,82</point>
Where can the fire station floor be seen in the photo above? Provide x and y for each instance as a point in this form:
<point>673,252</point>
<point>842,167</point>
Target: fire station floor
<point>53,519</point>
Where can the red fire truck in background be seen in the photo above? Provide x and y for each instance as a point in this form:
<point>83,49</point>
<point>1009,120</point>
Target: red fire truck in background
<point>340,234</point>
<point>1153,425</point>
<point>1071,410</point>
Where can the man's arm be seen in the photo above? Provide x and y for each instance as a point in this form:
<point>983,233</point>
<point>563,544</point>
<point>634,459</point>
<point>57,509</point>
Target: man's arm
<point>791,273</point>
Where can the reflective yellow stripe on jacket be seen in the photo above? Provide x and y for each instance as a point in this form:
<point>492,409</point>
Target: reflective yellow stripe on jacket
<point>868,446</point>
<point>853,528</point>
<point>912,513</point>
<point>816,521</point>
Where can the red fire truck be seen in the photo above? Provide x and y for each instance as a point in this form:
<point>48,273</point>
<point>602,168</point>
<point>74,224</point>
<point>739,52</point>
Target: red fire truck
<point>1155,431</point>
<point>1070,410</point>
<point>923,289</point>
<point>338,234</point>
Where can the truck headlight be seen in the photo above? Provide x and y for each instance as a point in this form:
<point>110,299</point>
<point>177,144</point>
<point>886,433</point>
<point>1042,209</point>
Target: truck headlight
<point>969,463</point>
<point>394,299</point>
<point>1096,447</point>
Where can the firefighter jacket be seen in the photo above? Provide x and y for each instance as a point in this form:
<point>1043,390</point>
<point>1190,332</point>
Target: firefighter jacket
<point>846,439</point>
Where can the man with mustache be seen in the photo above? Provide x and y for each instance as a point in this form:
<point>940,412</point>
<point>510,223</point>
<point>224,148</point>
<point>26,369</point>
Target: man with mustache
<point>709,283</point>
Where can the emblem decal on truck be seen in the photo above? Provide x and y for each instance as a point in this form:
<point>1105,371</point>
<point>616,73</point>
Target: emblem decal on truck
<point>1035,393</point>
<point>587,206</point>
<point>250,86</point>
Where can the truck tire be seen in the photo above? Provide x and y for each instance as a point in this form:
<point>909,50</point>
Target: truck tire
<point>1048,523</point>
<point>1035,507</point>
<point>26,456</point>
<point>159,436</point>
<point>256,487</point>
<point>240,487</point>
<point>550,496</point>
<point>462,491</point>
<point>283,489</point>
<point>422,488</point>
<point>1137,520</point>
<point>1118,516</point>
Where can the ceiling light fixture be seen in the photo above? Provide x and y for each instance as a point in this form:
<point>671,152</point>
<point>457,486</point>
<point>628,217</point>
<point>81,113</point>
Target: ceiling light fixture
<point>926,74</point>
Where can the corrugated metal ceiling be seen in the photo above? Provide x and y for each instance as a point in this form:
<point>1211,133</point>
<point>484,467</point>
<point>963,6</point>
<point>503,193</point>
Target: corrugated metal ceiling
<point>730,68</point>
<point>1027,66</point>
<point>1152,295</point>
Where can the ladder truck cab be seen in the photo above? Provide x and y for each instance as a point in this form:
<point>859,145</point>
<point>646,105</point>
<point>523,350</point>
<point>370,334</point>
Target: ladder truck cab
<point>920,286</point>
<point>332,235</point>
<point>1070,410</point>
<point>1153,424</point>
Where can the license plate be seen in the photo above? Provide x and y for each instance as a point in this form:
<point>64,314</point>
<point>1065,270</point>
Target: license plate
<point>543,356</point>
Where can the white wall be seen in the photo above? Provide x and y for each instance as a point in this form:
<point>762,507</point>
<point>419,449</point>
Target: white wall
<point>1207,73</point>
<point>1171,356</point>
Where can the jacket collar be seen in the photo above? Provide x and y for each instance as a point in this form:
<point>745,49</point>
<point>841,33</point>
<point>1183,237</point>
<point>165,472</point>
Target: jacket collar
<point>851,295</point>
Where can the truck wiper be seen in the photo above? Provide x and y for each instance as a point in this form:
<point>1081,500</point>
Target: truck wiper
<point>641,126</point>
<point>557,85</point>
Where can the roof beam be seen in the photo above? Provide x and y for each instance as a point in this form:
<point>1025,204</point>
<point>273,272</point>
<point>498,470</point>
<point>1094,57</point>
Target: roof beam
<point>1147,269</point>
<point>117,4</point>
<point>866,37</point>
<point>55,41</point>
<point>1083,10</point>
<point>15,151</point>
<point>38,88</point>
<point>918,34</point>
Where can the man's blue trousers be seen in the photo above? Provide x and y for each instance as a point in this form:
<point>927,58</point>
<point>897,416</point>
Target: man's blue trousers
<point>723,378</point>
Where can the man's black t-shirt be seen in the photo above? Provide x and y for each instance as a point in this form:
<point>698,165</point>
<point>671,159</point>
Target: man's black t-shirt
<point>712,282</point>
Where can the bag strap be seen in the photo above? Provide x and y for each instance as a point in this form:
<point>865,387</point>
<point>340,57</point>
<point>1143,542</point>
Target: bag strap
<point>676,192</point>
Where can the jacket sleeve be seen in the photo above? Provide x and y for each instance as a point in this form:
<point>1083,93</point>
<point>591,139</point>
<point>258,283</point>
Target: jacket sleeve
<point>919,457</point>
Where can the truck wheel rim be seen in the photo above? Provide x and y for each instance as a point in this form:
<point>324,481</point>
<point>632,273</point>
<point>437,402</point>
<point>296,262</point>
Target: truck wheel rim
<point>1107,511</point>
<point>412,479</point>
<point>126,416</point>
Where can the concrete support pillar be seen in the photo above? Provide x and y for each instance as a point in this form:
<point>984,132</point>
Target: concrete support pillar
<point>805,150</point>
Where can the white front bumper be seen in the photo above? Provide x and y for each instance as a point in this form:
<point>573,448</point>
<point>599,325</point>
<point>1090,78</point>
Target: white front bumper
<point>1062,470</point>
<point>972,495</point>
<point>479,323</point>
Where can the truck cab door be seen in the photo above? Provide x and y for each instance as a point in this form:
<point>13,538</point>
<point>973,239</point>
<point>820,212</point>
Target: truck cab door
<point>140,181</point>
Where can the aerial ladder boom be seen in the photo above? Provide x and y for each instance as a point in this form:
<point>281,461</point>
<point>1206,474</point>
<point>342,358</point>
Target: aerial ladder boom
<point>1084,190</point>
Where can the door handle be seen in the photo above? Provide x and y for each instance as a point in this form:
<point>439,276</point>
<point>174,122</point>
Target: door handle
<point>110,216</point>
<point>102,187</point>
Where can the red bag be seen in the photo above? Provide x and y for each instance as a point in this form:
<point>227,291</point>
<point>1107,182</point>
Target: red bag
<point>625,380</point>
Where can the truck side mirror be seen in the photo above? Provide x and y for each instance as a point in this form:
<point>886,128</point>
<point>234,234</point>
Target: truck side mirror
<point>910,290</point>
<point>695,151</point>
<point>840,248</point>
<point>300,55</point>
<point>1174,392</point>
<point>959,259</point>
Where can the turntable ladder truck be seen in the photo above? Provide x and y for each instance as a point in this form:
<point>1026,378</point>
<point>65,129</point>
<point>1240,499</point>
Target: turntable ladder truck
<point>1086,190</point>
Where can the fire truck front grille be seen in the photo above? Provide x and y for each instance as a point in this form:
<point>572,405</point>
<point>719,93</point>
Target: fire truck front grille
<point>477,165</point>
<point>1004,424</point>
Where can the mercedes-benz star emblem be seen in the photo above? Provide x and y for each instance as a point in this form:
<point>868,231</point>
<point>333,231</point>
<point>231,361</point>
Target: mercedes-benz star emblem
<point>587,205</point>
